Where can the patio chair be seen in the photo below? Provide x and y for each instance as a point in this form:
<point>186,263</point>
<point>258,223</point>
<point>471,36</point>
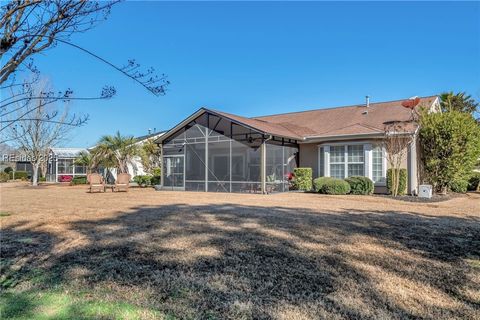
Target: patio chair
<point>122,182</point>
<point>96,182</point>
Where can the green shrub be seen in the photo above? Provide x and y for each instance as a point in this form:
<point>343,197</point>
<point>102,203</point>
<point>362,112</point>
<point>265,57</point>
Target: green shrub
<point>335,186</point>
<point>42,179</point>
<point>4,177</point>
<point>143,180</point>
<point>360,185</point>
<point>79,180</point>
<point>22,175</point>
<point>402,186</point>
<point>157,172</point>
<point>8,170</point>
<point>155,180</point>
<point>303,178</point>
<point>459,186</point>
<point>450,144</point>
<point>474,182</point>
<point>319,182</point>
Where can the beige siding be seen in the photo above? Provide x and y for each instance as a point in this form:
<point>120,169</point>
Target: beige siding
<point>309,157</point>
<point>410,162</point>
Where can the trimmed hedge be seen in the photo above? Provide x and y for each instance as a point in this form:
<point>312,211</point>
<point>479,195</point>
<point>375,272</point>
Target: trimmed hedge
<point>329,185</point>
<point>402,187</point>
<point>336,186</point>
<point>79,180</point>
<point>303,178</point>
<point>23,175</point>
<point>319,182</point>
<point>360,185</point>
<point>474,182</point>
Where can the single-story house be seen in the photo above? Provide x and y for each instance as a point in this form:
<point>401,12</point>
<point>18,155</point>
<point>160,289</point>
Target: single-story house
<point>61,163</point>
<point>217,151</point>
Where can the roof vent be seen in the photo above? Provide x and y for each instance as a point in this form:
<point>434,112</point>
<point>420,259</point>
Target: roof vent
<point>367,101</point>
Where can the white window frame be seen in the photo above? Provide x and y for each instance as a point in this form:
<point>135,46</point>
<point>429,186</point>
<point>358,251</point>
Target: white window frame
<point>367,159</point>
<point>384,166</point>
<point>364,163</point>
<point>344,162</point>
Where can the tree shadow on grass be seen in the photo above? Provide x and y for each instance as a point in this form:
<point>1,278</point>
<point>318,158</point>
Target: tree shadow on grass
<point>234,261</point>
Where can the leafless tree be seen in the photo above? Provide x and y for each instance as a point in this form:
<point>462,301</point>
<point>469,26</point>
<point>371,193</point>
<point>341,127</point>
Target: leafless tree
<point>397,138</point>
<point>46,126</point>
<point>30,27</point>
<point>17,106</point>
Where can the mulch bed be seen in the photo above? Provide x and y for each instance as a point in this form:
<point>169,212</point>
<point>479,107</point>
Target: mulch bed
<point>434,198</point>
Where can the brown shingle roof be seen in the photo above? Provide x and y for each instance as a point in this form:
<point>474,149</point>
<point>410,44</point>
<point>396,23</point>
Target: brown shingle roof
<point>323,123</point>
<point>276,129</point>
<point>349,120</point>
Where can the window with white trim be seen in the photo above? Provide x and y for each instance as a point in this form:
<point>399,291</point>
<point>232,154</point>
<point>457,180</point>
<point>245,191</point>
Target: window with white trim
<point>378,170</point>
<point>322,162</point>
<point>356,166</point>
<point>337,162</point>
<point>353,159</point>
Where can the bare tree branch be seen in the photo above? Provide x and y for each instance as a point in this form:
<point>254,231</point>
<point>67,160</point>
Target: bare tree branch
<point>46,126</point>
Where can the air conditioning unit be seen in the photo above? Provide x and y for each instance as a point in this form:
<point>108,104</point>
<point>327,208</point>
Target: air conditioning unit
<point>425,191</point>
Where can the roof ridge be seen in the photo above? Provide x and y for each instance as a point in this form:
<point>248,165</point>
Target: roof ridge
<point>339,107</point>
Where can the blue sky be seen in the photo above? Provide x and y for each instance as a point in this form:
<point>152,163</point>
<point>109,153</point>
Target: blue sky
<point>255,58</point>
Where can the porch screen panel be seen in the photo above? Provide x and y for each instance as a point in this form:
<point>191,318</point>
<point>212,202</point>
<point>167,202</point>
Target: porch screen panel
<point>218,165</point>
<point>290,154</point>
<point>195,166</point>
<point>218,154</point>
<point>275,170</point>
<point>80,169</point>
<point>245,162</point>
<point>195,162</point>
<point>65,166</point>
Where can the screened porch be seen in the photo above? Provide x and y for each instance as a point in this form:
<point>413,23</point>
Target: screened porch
<point>217,154</point>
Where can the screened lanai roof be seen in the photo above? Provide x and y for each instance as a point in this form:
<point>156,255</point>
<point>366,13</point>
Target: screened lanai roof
<point>259,126</point>
<point>67,152</point>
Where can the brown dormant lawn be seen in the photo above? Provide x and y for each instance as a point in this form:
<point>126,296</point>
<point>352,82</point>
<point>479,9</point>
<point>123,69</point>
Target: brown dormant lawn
<point>145,254</point>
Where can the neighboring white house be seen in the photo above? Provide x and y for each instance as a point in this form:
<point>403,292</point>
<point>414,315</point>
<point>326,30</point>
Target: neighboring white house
<point>136,167</point>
